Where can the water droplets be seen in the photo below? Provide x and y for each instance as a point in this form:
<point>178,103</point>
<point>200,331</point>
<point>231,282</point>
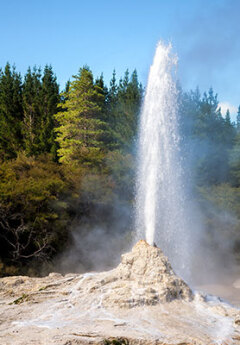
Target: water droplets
<point>160,199</point>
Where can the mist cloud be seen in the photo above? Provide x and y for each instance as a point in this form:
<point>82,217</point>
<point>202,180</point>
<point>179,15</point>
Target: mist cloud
<point>227,106</point>
<point>207,40</point>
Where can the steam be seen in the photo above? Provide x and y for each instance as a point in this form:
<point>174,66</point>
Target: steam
<point>97,242</point>
<point>227,106</point>
<point>207,234</point>
<point>214,260</point>
<point>213,227</point>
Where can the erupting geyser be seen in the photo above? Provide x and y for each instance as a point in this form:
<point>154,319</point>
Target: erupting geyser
<point>160,210</point>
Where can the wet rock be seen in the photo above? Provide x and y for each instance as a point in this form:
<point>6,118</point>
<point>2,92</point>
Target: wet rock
<point>145,277</point>
<point>140,302</point>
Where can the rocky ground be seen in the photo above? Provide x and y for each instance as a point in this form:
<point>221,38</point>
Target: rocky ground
<point>142,301</point>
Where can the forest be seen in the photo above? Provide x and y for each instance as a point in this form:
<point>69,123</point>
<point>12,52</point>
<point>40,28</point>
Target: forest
<point>69,158</point>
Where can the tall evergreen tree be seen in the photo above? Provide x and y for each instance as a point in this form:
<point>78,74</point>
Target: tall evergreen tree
<point>215,130</point>
<point>67,87</point>
<point>113,90</point>
<point>111,112</point>
<point>32,110</point>
<point>208,136</point>
<point>49,101</point>
<point>64,96</point>
<point>126,110</point>
<point>228,118</point>
<point>80,127</point>
<point>238,119</point>
<point>11,112</point>
<point>189,112</point>
<point>235,162</point>
<point>102,89</point>
<point>228,133</point>
<point>103,103</point>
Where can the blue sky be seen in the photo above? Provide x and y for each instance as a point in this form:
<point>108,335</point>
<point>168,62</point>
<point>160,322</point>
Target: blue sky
<point>110,34</point>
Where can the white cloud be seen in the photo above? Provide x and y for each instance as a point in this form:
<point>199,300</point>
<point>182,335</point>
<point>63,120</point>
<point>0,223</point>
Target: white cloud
<point>225,106</point>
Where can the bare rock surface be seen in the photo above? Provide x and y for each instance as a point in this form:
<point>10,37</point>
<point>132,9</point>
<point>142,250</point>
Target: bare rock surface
<point>142,301</point>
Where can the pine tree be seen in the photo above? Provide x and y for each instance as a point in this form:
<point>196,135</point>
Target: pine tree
<point>80,127</point>
<point>64,96</point>
<point>228,118</point>
<point>113,90</point>
<point>238,119</point>
<point>129,98</point>
<point>228,132</point>
<point>134,100</point>
<point>67,87</point>
<point>189,111</point>
<point>102,89</point>
<point>32,110</point>
<point>211,136</point>
<point>209,122</point>
<point>214,131</point>
<point>50,98</point>
<point>111,112</point>
<point>11,112</point>
<point>235,161</point>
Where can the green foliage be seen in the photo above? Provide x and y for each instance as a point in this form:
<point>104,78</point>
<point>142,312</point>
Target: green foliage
<point>238,120</point>
<point>97,188</point>
<point>220,206</point>
<point>11,112</point>
<point>211,145</point>
<point>80,127</point>
<point>121,168</point>
<point>91,130</point>
<point>31,226</point>
<point>23,298</point>
<point>26,112</point>
<point>32,110</point>
<point>223,196</point>
<point>49,100</point>
<point>208,137</point>
<point>235,162</point>
<point>124,107</point>
<point>116,341</point>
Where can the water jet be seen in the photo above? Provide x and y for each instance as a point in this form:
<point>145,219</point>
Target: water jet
<point>160,199</point>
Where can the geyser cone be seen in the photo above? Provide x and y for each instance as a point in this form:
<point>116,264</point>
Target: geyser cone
<point>146,274</point>
<point>160,200</point>
<point>141,300</point>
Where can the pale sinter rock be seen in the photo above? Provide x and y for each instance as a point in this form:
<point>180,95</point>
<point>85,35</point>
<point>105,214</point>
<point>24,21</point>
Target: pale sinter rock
<point>145,277</point>
<point>141,302</point>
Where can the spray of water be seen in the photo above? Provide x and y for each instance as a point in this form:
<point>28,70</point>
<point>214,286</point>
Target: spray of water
<point>160,200</point>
